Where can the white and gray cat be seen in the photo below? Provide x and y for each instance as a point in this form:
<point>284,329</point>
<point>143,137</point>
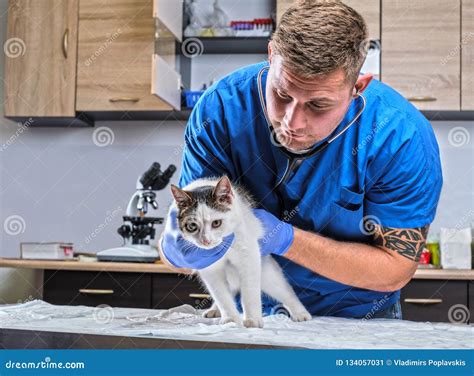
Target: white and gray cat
<point>209,209</point>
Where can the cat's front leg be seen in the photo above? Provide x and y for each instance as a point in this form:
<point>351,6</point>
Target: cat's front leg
<point>250,286</point>
<point>216,283</point>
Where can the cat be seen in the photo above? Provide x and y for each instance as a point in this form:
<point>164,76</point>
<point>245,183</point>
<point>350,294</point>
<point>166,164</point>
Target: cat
<point>208,210</point>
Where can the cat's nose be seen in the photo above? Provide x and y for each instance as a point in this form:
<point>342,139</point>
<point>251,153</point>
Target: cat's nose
<point>206,242</point>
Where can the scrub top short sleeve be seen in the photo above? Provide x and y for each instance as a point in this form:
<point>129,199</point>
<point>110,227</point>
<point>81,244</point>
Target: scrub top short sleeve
<point>206,142</point>
<point>406,192</point>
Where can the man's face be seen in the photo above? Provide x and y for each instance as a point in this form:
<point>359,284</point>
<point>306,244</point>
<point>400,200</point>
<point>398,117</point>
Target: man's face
<point>302,111</point>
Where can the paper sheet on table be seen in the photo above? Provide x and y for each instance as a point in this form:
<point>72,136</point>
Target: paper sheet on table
<point>186,323</point>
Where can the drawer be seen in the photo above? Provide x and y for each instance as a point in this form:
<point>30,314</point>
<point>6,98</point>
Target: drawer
<point>95,288</point>
<point>432,300</point>
<point>172,290</point>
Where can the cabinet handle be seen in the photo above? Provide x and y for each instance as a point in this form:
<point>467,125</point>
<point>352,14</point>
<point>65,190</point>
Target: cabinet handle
<point>422,98</point>
<point>200,296</point>
<point>423,301</point>
<point>124,99</point>
<point>65,42</point>
<point>96,291</point>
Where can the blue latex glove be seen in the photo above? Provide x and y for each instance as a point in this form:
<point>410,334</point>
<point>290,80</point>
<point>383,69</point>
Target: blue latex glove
<point>279,235</point>
<point>184,254</point>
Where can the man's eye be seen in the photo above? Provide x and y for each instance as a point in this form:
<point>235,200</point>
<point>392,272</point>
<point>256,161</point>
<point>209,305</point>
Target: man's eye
<point>216,223</point>
<point>283,95</point>
<point>191,226</point>
<point>317,107</point>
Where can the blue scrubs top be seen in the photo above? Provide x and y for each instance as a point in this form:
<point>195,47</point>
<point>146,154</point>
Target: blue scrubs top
<point>385,167</point>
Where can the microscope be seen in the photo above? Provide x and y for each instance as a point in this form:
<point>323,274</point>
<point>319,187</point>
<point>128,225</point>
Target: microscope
<point>138,230</point>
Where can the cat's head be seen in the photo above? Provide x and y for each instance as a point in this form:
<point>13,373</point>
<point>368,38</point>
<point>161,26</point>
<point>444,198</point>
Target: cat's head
<point>205,213</point>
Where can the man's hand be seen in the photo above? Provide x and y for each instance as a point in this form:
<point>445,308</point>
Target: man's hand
<point>278,235</point>
<point>183,254</point>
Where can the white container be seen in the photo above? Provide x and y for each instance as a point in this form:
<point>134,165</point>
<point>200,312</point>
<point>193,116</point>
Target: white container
<point>455,248</point>
<point>47,251</point>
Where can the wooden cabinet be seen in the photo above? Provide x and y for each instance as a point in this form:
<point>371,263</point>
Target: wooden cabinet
<point>67,287</point>
<point>420,51</point>
<point>172,290</point>
<point>369,9</point>
<point>435,300</point>
<point>40,58</point>
<point>123,289</point>
<point>467,52</point>
<point>115,59</point>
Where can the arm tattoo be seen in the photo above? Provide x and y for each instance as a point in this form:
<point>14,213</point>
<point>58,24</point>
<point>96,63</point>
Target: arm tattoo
<point>407,242</point>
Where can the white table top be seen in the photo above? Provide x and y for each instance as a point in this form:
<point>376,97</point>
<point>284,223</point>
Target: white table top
<point>186,323</point>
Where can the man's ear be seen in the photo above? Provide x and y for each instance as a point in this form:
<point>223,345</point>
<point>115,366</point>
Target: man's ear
<point>362,83</point>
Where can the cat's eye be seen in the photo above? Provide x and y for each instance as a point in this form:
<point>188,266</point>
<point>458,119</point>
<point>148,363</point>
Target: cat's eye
<point>216,223</point>
<point>191,226</point>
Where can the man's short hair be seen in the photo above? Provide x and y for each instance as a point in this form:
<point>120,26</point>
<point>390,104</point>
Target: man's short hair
<point>316,37</point>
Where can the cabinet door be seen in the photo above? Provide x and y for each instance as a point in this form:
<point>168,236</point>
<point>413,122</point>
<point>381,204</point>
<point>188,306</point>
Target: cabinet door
<point>172,290</point>
<point>166,81</point>
<point>435,301</point>
<point>115,58</point>
<point>420,51</point>
<point>369,9</point>
<point>40,58</point>
<point>467,45</point>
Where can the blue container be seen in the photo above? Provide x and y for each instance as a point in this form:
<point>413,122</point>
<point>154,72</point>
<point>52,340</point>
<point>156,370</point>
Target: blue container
<point>192,97</point>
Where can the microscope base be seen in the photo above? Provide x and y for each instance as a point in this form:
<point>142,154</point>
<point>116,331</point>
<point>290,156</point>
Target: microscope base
<point>129,254</point>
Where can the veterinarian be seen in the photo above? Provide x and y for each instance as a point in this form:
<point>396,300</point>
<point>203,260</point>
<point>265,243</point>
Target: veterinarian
<point>346,172</point>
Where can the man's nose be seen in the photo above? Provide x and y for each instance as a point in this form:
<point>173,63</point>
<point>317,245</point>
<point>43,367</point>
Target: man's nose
<point>295,118</point>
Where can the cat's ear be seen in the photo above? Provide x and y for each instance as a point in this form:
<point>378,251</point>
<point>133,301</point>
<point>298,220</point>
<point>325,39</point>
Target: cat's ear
<point>181,197</point>
<point>223,191</point>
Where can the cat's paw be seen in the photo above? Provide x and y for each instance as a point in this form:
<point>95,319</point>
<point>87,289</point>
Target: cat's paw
<point>253,323</point>
<point>212,313</point>
<point>301,316</point>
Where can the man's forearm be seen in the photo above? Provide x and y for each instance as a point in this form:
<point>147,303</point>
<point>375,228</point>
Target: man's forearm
<point>354,264</point>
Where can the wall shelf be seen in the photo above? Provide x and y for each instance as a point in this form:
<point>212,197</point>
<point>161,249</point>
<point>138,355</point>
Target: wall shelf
<point>195,46</point>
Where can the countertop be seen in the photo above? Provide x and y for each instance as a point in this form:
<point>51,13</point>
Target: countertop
<point>185,327</point>
<point>159,267</point>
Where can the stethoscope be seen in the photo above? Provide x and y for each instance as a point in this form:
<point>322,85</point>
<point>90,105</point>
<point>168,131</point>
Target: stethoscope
<point>294,159</point>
